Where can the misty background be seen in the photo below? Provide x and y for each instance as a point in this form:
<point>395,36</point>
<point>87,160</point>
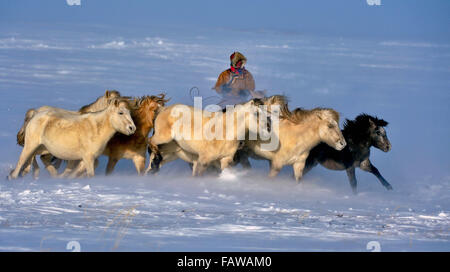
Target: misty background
<point>391,61</point>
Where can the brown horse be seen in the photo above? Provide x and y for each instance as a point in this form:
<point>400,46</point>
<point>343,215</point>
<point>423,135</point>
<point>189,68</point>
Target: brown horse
<point>134,147</point>
<point>361,134</point>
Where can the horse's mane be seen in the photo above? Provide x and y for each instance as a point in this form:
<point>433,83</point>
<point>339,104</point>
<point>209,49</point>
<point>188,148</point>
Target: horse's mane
<point>257,102</point>
<point>138,104</point>
<point>359,129</point>
<point>108,93</point>
<point>282,101</point>
<point>299,114</point>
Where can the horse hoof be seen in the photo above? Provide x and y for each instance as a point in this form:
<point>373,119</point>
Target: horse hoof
<point>155,163</point>
<point>389,187</point>
<point>154,170</point>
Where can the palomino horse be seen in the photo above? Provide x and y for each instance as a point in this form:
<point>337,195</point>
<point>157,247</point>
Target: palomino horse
<point>71,136</point>
<point>172,151</point>
<point>297,135</point>
<point>99,104</point>
<point>206,150</point>
<point>361,134</point>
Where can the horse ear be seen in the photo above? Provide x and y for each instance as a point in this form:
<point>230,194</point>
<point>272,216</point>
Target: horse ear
<point>107,94</point>
<point>116,102</point>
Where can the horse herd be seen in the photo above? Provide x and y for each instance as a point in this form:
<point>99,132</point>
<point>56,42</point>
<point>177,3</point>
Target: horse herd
<point>118,127</point>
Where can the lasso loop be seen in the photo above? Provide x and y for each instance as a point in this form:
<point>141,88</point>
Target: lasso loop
<point>195,91</point>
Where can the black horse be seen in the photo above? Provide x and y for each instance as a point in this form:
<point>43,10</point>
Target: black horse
<point>361,134</point>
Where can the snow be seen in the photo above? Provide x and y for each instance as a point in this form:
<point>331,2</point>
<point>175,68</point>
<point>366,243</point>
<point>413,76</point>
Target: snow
<point>404,82</point>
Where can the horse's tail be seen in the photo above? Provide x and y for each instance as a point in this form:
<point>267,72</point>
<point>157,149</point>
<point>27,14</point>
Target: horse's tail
<point>21,134</point>
<point>155,157</point>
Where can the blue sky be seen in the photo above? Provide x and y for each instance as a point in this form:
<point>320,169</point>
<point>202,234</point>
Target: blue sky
<point>403,19</point>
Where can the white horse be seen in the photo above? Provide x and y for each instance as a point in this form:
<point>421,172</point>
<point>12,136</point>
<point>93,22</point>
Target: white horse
<point>71,136</point>
<point>277,104</point>
<point>245,119</point>
<point>99,104</point>
<point>297,136</point>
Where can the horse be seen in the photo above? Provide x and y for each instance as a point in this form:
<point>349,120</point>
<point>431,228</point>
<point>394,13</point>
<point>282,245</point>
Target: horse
<point>134,147</point>
<point>200,151</point>
<point>361,134</point>
<point>99,104</point>
<point>297,135</point>
<point>71,136</point>
<point>172,151</point>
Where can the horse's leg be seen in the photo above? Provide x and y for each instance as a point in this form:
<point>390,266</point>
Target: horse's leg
<point>36,169</point>
<point>57,163</point>
<point>166,153</point>
<point>242,158</point>
<point>150,160</point>
<point>199,168</point>
<point>153,149</point>
<point>27,167</point>
<point>71,165</point>
<point>225,162</point>
<point>96,162</point>
<point>163,159</point>
<point>156,161</point>
<point>86,164</point>
<point>139,163</point>
<point>89,162</point>
<point>194,168</point>
<point>112,161</point>
<point>298,167</point>
<point>352,178</point>
<point>82,173</point>
<point>200,165</point>
<point>47,161</point>
<point>367,166</point>
<point>275,168</point>
<point>25,157</point>
<point>216,166</point>
<point>78,170</point>
<point>310,163</point>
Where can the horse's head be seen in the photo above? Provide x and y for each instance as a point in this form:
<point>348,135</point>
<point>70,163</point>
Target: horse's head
<point>377,134</point>
<point>111,94</point>
<point>102,102</point>
<point>329,130</point>
<point>149,106</point>
<point>120,116</point>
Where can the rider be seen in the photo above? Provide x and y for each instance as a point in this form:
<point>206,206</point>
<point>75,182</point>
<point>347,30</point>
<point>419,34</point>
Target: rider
<point>236,83</point>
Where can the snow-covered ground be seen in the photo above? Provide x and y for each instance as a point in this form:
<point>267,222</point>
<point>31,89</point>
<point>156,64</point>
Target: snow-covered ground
<point>403,82</point>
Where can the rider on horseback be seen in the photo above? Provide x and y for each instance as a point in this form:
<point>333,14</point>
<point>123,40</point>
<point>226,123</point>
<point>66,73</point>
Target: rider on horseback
<point>236,83</point>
